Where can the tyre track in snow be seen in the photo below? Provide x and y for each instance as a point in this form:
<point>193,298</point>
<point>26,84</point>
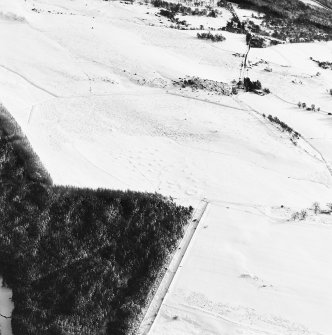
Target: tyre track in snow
<point>172,269</point>
<point>29,81</point>
<point>319,153</point>
<point>327,164</point>
<point>247,327</point>
<point>99,168</point>
<point>329,167</point>
<point>206,101</point>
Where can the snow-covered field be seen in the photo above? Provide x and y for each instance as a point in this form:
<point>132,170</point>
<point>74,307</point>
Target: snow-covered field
<point>90,82</point>
<point>6,308</point>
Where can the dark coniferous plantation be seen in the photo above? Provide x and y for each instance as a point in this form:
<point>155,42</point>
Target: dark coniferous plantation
<point>251,86</point>
<point>294,19</point>
<point>78,261</point>
<point>291,9</point>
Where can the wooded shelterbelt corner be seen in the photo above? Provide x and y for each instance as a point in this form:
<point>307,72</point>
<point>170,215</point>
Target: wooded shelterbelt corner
<point>78,261</point>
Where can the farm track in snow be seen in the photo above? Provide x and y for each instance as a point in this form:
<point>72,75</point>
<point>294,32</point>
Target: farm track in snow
<point>163,288</point>
<point>30,82</point>
<point>322,158</point>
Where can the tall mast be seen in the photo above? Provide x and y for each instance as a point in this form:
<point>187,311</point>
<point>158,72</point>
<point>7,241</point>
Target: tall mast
<point>244,64</point>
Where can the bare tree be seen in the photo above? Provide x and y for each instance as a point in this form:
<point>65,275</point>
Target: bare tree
<point>316,207</point>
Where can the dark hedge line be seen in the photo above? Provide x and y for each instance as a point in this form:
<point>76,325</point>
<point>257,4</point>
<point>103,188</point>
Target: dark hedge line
<point>284,126</point>
<point>79,261</point>
<point>323,64</point>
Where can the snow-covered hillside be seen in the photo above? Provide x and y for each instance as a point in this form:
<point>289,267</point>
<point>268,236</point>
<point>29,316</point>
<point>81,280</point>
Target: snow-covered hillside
<point>312,3</point>
<point>90,82</point>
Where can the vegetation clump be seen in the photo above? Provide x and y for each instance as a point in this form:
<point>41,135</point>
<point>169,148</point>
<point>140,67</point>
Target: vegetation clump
<point>211,37</point>
<point>235,26</point>
<point>178,8</point>
<point>323,64</point>
<point>196,83</point>
<point>167,13</point>
<point>78,261</point>
<point>301,216</point>
<point>251,86</point>
<point>284,126</point>
<point>308,108</point>
<point>316,209</point>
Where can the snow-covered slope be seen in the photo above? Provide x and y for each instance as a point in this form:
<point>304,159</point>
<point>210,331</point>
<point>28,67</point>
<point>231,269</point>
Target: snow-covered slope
<point>312,3</point>
<point>90,82</point>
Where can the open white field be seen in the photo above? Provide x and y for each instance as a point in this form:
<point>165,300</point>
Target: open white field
<point>250,271</point>
<point>6,307</point>
<point>90,82</point>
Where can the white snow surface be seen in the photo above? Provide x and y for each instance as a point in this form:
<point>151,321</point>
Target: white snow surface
<point>6,308</point>
<point>90,83</point>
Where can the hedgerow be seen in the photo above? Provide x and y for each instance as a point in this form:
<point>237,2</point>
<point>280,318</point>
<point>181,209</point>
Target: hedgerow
<point>284,126</point>
<point>211,37</point>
